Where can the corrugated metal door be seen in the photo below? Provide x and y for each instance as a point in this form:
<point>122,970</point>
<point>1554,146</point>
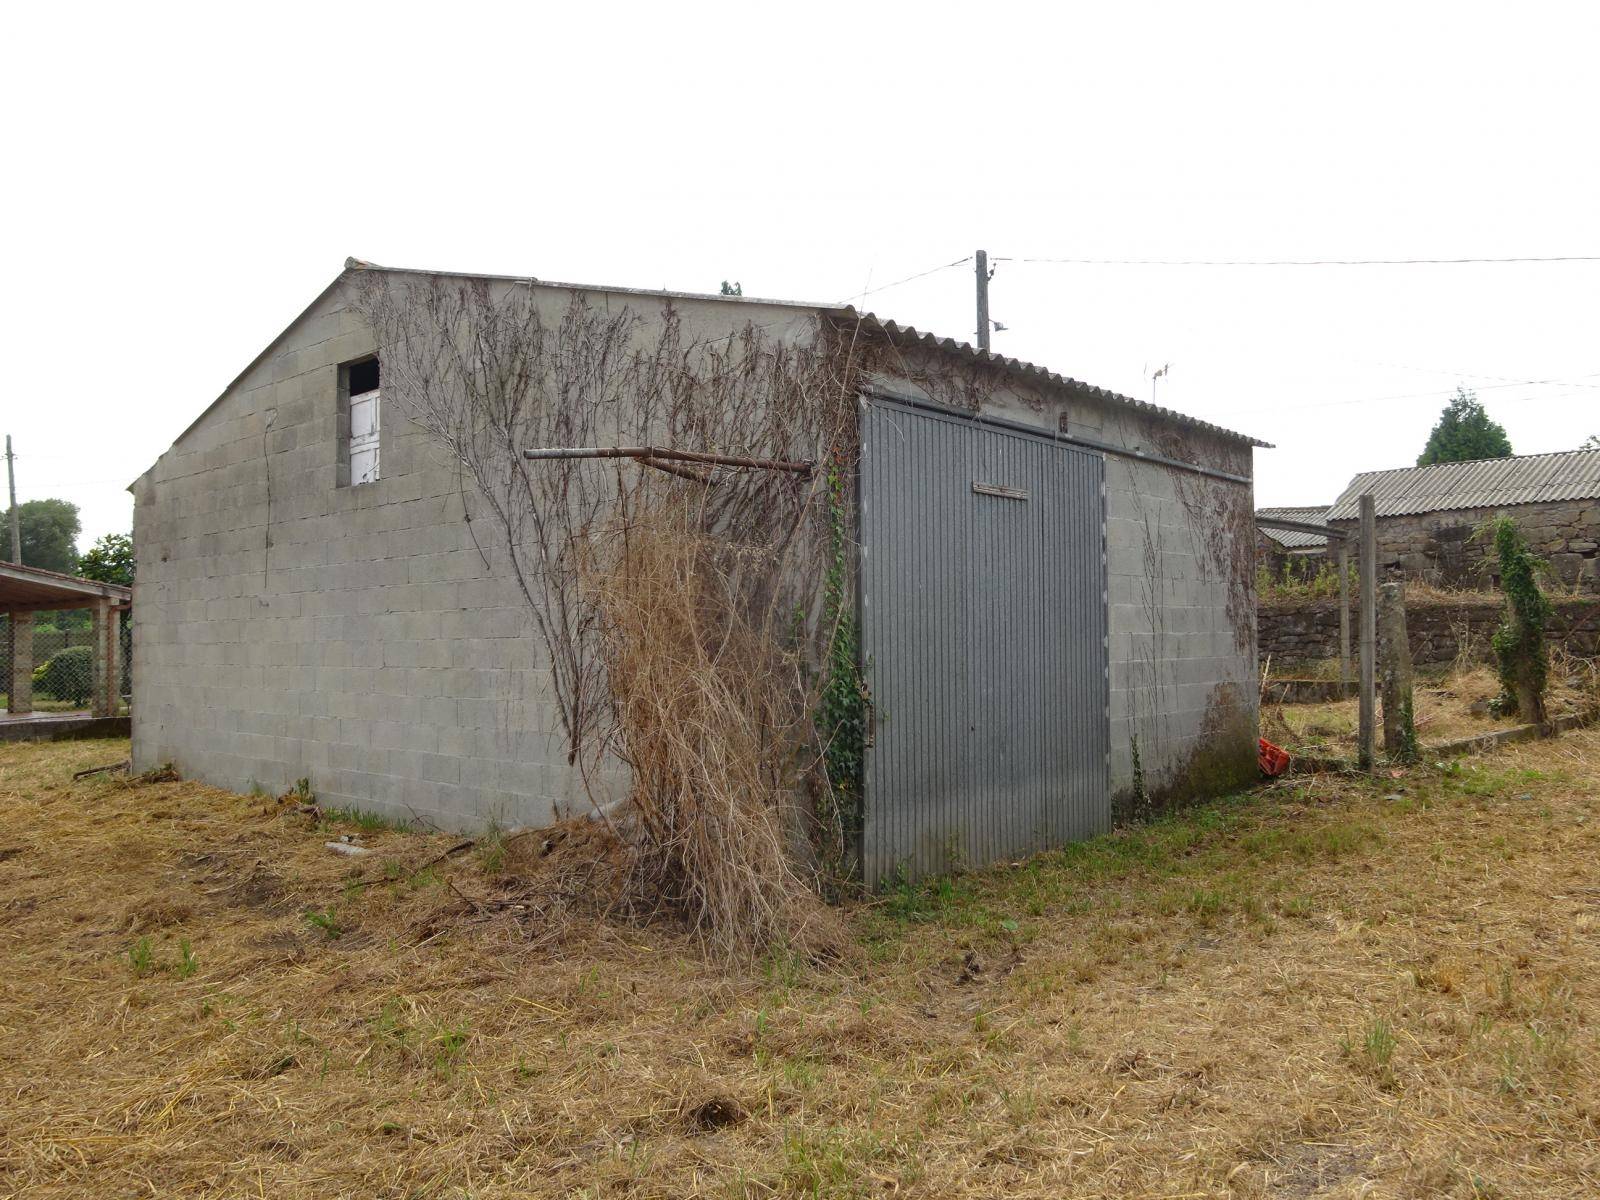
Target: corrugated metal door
<point>983,634</point>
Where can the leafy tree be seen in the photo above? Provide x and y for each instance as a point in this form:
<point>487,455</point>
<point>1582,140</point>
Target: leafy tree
<point>1465,432</point>
<point>110,560</point>
<point>49,534</point>
<point>732,289</point>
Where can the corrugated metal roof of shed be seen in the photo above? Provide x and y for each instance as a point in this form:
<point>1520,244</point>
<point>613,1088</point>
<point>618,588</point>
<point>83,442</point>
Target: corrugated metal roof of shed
<point>1481,483</point>
<point>908,335</point>
<point>1294,539</point>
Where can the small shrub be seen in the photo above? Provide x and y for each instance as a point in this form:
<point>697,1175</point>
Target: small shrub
<point>1297,582</point>
<point>67,675</point>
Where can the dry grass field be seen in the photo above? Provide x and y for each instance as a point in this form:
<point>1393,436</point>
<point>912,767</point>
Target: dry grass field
<point>1332,987</point>
<point>1450,704</point>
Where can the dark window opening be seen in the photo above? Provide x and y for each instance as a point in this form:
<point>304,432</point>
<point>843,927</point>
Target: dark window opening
<point>363,376</point>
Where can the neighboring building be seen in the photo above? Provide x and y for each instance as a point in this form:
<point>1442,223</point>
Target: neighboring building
<point>1056,592</point>
<point>1428,517</point>
<point>1300,552</point>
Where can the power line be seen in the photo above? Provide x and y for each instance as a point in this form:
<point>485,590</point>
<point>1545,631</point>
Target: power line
<point>1433,393</point>
<point>919,275</point>
<point>1302,262</point>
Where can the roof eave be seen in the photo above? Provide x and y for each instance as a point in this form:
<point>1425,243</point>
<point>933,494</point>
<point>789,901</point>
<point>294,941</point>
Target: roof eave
<point>908,335</point>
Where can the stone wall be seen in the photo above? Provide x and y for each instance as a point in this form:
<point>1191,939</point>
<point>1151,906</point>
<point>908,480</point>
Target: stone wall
<point>1439,547</point>
<point>1309,630</point>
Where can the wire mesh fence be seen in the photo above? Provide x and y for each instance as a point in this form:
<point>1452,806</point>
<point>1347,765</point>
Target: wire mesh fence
<point>63,660</point>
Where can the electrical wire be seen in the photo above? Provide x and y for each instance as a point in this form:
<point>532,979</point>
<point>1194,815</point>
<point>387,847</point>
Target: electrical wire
<point>1301,262</point>
<point>919,275</point>
<point>1433,394</point>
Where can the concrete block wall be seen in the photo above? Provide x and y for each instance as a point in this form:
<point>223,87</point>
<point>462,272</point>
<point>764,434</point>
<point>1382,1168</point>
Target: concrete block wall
<point>286,627</point>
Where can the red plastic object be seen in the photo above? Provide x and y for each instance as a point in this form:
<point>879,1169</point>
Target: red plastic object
<point>1273,760</point>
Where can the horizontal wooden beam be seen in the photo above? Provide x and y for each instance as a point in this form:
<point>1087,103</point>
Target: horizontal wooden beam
<point>1301,527</point>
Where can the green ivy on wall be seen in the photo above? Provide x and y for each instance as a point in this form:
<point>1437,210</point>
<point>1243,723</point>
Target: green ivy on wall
<point>842,702</point>
<point>1519,645</point>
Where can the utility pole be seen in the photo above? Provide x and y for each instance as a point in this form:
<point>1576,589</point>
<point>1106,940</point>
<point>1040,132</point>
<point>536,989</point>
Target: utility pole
<point>16,520</point>
<point>982,260</point>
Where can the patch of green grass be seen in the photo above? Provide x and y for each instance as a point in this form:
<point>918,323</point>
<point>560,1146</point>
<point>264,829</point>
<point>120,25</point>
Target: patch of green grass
<point>825,1164</point>
<point>390,1029</point>
<point>364,820</point>
<point>1374,1053</point>
<point>325,921</point>
<point>187,963</point>
<point>491,849</point>
<point>449,1044</point>
<point>428,877</point>
<point>142,957</point>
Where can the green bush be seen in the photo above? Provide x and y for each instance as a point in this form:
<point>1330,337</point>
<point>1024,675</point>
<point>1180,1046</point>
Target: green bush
<point>1519,645</point>
<point>67,675</point>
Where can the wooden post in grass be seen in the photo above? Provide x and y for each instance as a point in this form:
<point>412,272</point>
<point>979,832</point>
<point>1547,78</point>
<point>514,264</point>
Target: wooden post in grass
<point>1344,613</point>
<point>1366,733</point>
<point>1394,671</point>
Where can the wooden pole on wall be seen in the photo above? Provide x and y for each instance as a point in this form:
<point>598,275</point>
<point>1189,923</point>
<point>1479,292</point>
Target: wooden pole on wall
<point>1366,733</point>
<point>1344,611</point>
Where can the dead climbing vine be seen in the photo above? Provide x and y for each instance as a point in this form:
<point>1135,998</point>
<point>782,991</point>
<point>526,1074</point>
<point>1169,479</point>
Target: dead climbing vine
<point>679,610</point>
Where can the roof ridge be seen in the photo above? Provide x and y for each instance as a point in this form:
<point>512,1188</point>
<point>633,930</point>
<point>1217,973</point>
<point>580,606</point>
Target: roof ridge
<point>1467,462</point>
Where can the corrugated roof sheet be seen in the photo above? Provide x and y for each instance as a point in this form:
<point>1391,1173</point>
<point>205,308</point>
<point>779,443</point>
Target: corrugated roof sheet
<point>907,335</point>
<point>1293,539</point>
<point>1482,483</point>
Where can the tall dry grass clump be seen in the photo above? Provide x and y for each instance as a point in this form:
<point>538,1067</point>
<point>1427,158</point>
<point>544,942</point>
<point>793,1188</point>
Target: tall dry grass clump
<point>710,717</point>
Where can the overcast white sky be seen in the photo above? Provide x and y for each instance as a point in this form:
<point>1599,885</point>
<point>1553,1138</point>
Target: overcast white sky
<point>182,180</point>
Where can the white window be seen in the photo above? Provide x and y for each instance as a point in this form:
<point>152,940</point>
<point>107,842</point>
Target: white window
<point>361,449</point>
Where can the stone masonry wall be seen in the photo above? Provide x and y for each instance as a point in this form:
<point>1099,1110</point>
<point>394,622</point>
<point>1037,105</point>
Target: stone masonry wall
<point>1309,631</point>
<point>1440,547</point>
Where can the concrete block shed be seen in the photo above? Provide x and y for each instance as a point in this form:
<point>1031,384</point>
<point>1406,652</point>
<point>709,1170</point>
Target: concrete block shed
<point>1054,587</point>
